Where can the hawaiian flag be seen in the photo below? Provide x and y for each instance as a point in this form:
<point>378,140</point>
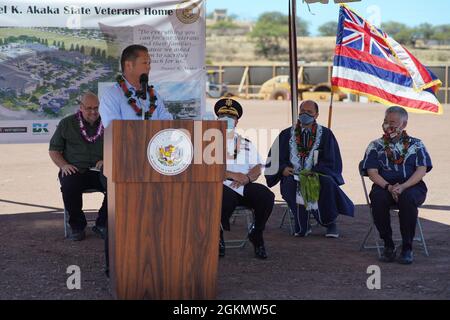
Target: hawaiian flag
<point>368,62</point>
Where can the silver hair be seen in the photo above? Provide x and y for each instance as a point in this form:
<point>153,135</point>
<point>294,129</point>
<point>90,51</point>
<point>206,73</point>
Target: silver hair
<point>399,110</point>
<point>85,95</point>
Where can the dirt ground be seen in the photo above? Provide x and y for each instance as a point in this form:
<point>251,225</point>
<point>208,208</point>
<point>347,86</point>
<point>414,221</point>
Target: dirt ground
<point>34,255</point>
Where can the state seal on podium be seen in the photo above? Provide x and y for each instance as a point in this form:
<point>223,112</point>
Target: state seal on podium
<point>170,152</point>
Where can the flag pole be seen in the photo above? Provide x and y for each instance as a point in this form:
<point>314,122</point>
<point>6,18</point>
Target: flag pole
<point>330,110</point>
<point>293,67</point>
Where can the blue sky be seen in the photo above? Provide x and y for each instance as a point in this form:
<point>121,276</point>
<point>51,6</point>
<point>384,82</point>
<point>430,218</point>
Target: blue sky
<point>409,12</point>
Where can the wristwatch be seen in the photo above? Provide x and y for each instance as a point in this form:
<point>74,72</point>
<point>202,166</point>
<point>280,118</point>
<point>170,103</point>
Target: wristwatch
<point>386,187</point>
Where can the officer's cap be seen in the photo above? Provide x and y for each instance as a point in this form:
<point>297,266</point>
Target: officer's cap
<point>228,106</point>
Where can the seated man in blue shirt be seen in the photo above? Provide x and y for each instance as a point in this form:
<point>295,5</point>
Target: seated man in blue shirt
<point>396,163</point>
<point>123,101</point>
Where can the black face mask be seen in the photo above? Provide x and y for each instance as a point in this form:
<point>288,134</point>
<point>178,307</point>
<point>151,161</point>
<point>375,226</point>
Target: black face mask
<point>305,119</point>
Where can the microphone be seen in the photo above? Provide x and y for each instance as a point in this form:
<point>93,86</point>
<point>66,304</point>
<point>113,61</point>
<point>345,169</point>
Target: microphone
<point>143,80</point>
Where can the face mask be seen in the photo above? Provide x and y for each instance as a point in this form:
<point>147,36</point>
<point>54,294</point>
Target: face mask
<point>392,132</point>
<point>230,122</point>
<point>305,119</point>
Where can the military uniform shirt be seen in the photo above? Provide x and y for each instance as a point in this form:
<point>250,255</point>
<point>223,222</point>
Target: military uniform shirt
<point>247,157</point>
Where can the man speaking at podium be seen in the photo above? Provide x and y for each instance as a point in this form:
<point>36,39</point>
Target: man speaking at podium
<point>129,95</point>
<point>130,98</point>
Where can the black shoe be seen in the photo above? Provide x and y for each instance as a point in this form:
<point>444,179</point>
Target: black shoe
<point>221,245</point>
<point>101,231</point>
<point>406,257</point>
<point>388,254</point>
<point>258,244</point>
<point>303,234</point>
<point>77,235</point>
<point>332,231</point>
<point>221,248</point>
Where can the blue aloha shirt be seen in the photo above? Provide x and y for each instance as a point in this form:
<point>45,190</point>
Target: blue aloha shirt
<point>416,156</point>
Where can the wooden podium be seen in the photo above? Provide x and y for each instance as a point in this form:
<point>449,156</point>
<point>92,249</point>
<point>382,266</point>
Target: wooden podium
<point>163,229</point>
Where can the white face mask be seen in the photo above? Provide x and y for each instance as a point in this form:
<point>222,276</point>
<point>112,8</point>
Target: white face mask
<point>391,131</point>
<point>230,122</point>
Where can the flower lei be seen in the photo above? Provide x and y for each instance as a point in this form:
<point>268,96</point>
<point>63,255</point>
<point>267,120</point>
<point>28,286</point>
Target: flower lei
<point>304,150</point>
<point>83,131</point>
<point>132,102</point>
<point>390,154</point>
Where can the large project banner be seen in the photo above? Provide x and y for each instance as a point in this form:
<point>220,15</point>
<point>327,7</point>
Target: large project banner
<point>52,51</point>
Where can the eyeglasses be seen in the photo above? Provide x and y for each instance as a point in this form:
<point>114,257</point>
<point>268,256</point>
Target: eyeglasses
<point>90,109</point>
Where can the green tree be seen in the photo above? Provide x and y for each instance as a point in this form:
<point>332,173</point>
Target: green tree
<point>224,25</point>
<point>392,28</point>
<point>93,51</point>
<point>441,33</point>
<point>77,47</point>
<point>328,29</point>
<point>270,29</point>
<point>406,36</point>
<point>72,47</point>
<point>424,31</point>
<point>399,31</point>
<point>82,49</point>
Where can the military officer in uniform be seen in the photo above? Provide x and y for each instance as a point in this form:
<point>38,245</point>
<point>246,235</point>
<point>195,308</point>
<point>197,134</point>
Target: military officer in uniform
<point>244,166</point>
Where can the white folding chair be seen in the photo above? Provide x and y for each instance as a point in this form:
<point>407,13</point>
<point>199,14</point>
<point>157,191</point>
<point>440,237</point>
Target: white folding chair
<point>372,229</point>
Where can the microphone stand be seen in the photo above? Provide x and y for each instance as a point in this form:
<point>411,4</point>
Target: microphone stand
<point>142,96</point>
<point>143,108</point>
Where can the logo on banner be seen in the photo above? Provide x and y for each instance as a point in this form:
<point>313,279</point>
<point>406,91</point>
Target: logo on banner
<point>40,128</point>
<point>188,11</point>
<point>170,152</point>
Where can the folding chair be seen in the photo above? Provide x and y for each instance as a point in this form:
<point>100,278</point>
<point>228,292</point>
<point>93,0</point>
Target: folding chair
<point>287,212</point>
<point>66,214</point>
<point>372,230</point>
<point>248,214</point>
<point>290,216</point>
